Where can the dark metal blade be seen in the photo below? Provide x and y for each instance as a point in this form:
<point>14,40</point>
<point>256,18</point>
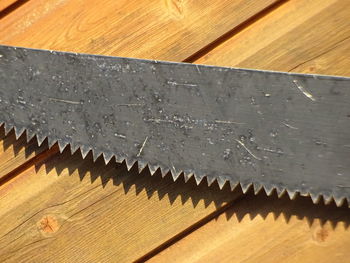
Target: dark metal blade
<point>278,130</point>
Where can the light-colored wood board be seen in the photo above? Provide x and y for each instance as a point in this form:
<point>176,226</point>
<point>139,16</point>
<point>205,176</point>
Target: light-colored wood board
<point>334,61</point>
<point>294,35</point>
<point>14,153</point>
<point>262,229</point>
<point>68,208</point>
<point>166,30</point>
<point>6,3</point>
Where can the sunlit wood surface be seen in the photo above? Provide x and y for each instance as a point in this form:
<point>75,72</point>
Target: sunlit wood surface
<point>59,207</point>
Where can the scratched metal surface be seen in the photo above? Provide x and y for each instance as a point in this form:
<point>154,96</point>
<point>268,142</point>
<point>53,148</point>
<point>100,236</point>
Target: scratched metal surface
<point>273,129</point>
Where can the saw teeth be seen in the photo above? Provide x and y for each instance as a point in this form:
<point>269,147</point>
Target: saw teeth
<point>164,171</point>
<point>199,178</point>
<point>268,189</point>
<point>187,177</point>
<point>221,181</point>
<point>245,187</point>
<point>339,201</point>
<point>129,163</point>
<point>96,155</point>
<point>304,193</point>
<point>210,180</point>
<point>107,157</point>
<point>141,166</point>
<point>233,185</point>
<point>51,142</point>
<point>8,128</point>
<point>176,175</point>
<point>40,139</point>
<point>73,148</point>
<point>84,151</point>
<point>19,132</point>
<point>327,199</point>
<point>280,191</point>
<point>152,169</point>
<point>118,159</point>
<point>257,188</point>
<point>292,194</point>
<point>30,135</point>
<point>315,198</point>
<point>62,145</point>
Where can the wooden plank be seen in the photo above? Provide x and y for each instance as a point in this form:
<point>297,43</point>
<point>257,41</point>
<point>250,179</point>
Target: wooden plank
<point>6,3</point>
<point>67,206</point>
<point>297,35</point>
<point>166,30</point>
<point>265,229</point>
<point>15,153</point>
<point>334,61</point>
<point>157,30</point>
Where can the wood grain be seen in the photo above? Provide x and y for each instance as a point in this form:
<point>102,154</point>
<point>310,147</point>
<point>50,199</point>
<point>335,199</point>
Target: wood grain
<point>111,215</point>
<point>300,36</point>
<point>268,229</point>
<point>335,60</point>
<point>15,153</point>
<point>165,30</point>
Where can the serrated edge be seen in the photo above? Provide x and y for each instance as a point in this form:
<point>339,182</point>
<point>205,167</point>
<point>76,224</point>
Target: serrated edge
<point>221,181</point>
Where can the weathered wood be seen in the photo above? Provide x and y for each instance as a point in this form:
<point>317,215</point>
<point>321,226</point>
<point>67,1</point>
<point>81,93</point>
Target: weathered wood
<point>300,36</point>
<point>268,229</point>
<point>101,213</point>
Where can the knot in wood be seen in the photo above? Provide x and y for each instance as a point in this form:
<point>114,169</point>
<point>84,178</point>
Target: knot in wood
<point>48,224</point>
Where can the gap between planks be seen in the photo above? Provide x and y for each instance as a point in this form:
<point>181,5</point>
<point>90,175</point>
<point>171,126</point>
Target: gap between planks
<point>29,163</point>
<point>7,7</point>
<point>211,46</point>
<point>190,229</point>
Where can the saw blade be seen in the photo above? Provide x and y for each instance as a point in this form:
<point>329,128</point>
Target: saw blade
<point>271,130</point>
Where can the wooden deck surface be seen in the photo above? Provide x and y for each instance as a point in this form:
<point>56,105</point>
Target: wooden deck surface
<point>61,208</point>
